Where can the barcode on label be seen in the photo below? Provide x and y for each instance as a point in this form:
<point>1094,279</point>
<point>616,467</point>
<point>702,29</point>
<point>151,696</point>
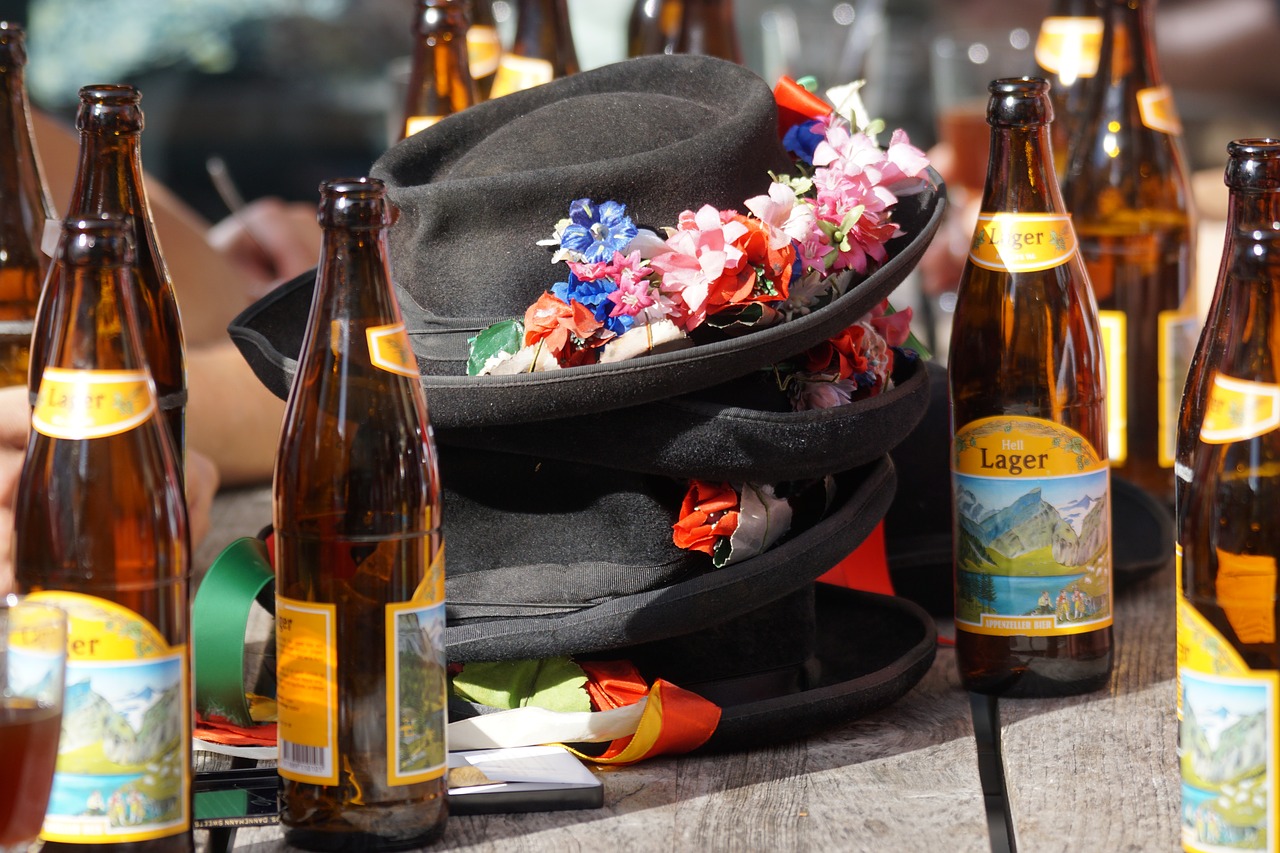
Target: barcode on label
<point>299,758</point>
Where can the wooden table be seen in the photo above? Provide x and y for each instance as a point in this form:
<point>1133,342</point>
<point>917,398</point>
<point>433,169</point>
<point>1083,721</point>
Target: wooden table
<point>1095,772</point>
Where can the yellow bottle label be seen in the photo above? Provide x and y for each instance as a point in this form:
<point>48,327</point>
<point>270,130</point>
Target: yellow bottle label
<point>389,349</point>
<point>1115,353</point>
<point>1032,529</point>
<point>413,124</point>
<point>1227,741</point>
<point>1239,409</point>
<point>516,73</point>
<point>1069,46</point>
<point>307,690</point>
<point>1178,334</point>
<point>81,404</point>
<point>484,50</point>
<point>124,761</point>
<point>1158,112</point>
<point>1022,242</point>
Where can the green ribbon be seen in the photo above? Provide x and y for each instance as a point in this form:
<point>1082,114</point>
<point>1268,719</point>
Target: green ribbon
<point>220,615</point>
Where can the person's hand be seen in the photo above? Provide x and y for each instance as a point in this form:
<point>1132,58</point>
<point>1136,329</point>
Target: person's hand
<point>15,422</point>
<point>270,240</point>
<point>202,485</point>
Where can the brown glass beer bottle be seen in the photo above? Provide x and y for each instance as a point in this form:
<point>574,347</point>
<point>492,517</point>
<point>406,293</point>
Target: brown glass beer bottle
<point>707,27</point>
<point>25,207</point>
<point>1252,177</point>
<point>653,27</point>
<point>1127,189</point>
<point>1228,655</point>
<point>1028,417</point>
<point>484,47</point>
<point>359,559</point>
<point>542,50</point>
<point>440,81</point>
<point>1066,54</point>
<point>101,530</point>
<point>109,180</point>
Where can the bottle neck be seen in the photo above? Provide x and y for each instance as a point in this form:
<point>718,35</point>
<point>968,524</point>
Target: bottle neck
<point>1253,182</point>
<point>1020,175</point>
<point>1128,49</point>
<point>108,175</point>
<point>542,32</point>
<point>21,178</point>
<point>99,328</point>
<point>353,278</point>
<point>707,27</point>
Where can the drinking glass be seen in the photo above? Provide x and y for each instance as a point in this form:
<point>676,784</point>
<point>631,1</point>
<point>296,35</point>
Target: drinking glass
<point>33,654</point>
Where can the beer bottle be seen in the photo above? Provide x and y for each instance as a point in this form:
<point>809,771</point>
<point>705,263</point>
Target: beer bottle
<point>359,558</point>
<point>1028,414</point>
<point>653,27</point>
<point>109,180</point>
<point>25,207</point>
<point>484,47</point>
<point>1229,660</point>
<point>707,27</point>
<point>1253,180</point>
<point>440,81</point>
<point>101,530</point>
<point>541,51</point>
<point>1066,54</point>
<point>1127,189</point>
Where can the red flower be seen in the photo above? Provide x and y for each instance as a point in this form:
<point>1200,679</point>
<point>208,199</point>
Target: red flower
<point>842,355</point>
<point>708,513</point>
<point>773,265</point>
<point>565,329</point>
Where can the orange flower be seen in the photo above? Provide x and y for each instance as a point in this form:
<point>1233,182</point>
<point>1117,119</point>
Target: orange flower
<point>774,265</point>
<point>841,355</point>
<point>563,327</point>
<point>709,513</point>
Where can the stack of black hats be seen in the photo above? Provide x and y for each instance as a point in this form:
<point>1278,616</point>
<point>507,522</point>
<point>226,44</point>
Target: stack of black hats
<point>562,487</point>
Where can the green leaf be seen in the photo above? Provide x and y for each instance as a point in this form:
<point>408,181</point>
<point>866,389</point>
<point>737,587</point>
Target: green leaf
<point>748,315</point>
<point>552,683</point>
<point>505,336</point>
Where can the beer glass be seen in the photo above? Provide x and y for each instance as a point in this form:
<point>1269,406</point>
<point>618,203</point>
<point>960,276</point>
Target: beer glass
<point>33,653</point>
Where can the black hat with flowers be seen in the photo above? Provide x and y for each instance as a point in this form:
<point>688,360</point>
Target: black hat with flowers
<point>662,373</point>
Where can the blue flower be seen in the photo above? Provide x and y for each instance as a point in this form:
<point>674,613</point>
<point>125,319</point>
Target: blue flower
<point>802,140</point>
<point>597,232</point>
<point>594,295</point>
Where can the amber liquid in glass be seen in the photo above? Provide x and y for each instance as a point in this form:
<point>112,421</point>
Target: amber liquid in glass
<point>29,744</point>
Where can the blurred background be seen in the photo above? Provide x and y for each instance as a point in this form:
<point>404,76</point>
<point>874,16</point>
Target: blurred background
<point>292,92</point>
<point>289,92</point>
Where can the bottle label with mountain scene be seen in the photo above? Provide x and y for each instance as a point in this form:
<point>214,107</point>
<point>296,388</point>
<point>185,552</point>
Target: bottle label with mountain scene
<point>1032,529</point>
<point>1228,749</point>
<point>124,769</point>
<point>1022,242</point>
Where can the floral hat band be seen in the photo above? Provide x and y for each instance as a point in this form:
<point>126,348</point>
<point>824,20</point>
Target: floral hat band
<point>689,234</point>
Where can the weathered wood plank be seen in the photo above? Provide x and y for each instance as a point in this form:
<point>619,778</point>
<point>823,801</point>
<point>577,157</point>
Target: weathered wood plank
<point>1100,772</point>
<point>902,779</point>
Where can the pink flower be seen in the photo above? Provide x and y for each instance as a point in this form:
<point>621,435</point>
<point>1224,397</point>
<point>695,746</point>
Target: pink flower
<point>785,216</point>
<point>895,328</point>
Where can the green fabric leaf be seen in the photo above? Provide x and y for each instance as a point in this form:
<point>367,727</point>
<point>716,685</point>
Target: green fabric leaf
<point>552,683</point>
<point>505,336</point>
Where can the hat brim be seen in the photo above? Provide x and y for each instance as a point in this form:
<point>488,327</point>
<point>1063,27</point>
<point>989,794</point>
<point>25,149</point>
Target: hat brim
<point>718,435</point>
<point>713,596</point>
<point>869,651</point>
<point>269,335</point>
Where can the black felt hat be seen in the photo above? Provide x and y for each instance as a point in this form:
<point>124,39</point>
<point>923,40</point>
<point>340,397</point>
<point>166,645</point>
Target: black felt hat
<point>478,190</point>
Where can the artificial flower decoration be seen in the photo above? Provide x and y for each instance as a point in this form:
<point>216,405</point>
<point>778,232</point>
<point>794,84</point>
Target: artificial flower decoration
<point>630,291</point>
<point>731,522</point>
